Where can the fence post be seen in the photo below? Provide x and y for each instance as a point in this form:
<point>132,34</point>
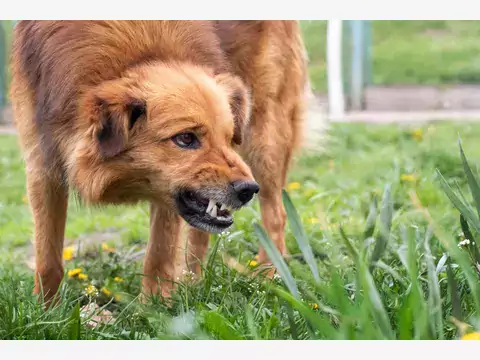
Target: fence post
<point>357,70</point>
<point>336,99</point>
<point>360,62</point>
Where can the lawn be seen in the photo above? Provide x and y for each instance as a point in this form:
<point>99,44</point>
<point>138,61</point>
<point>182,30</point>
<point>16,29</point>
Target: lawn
<point>402,279</point>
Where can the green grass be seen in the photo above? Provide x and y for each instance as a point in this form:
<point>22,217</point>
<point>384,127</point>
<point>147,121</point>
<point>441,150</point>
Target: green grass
<point>366,263</point>
<point>408,52</point>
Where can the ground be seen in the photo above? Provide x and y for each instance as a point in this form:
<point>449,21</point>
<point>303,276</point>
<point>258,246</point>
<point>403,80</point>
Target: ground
<point>332,192</point>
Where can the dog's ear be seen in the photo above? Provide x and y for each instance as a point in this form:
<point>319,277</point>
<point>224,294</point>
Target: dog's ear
<point>116,120</point>
<point>239,100</point>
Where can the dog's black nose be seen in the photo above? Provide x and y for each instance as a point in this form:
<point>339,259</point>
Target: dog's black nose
<point>245,190</point>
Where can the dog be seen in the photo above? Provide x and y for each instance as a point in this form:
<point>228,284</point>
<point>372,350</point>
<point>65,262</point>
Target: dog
<point>195,117</point>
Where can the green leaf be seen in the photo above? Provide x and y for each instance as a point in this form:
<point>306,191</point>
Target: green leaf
<point>210,273</point>
<point>220,326</point>
<point>299,234</point>
<point>316,320</point>
<point>434,297</point>
<point>375,301</point>
<point>291,322</point>
<point>371,219</point>
<point>277,259</point>
<point>251,321</point>
<point>472,182</point>
<point>452,286</point>
<point>74,330</point>
<point>383,236</point>
<point>468,235</point>
<point>464,209</point>
<point>351,248</point>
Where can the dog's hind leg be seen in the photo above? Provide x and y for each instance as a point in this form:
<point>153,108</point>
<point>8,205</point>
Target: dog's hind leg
<point>159,265</point>
<point>48,198</point>
<point>274,134</point>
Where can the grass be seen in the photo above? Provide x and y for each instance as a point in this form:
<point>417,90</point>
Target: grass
<point>408,52</point>
<point>372,233</point>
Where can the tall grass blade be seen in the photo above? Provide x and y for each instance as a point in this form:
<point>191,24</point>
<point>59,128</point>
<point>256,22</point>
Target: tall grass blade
<point>74,330</point>
<point>452,286</point>
<point>472,182</point>
<point>468,235</point>
<point>350,247</point>
<point>300,236</point>
<point>316,320</point>
<point>277,259</point>
<point>434,297</point>
<point>220,326</point>
<point>464,209</point>
<point>371,219</point>
<point>378,311</point>
<point>383,236</point>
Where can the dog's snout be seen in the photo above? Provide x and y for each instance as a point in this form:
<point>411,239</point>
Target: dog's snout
<point>245,190</point>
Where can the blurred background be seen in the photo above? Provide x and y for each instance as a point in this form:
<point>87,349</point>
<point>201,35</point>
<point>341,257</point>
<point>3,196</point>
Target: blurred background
<point>384,65</point>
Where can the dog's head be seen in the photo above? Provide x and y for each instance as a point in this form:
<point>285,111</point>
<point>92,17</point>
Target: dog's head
<point>166,133</point>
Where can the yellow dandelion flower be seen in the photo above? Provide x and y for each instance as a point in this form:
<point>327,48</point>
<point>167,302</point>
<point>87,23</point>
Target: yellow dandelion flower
<point>118,279</point>
<point>313,220</point>
<point>408,178</point>
<point>25,199</point>
<point>252,263</point>
<point>68,253</point>
<point>293,186</point>
<point>82,276</point>
<point>471,336</point>
<point>106,291</point>
<point>74,272</point>
<point>314,306</point>
<point>417,134</point>
<point>257,257</point>
<point>91,290</point>
<point>118,297</point>
<point>107,248</point>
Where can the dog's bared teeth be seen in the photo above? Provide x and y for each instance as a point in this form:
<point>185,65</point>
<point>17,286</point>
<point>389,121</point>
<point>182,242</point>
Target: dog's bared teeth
<point>224,207</point>
<point>211,205</point>
<point>214,211</point>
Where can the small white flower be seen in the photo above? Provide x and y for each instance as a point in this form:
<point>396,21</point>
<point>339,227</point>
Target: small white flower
<point>464,243</point>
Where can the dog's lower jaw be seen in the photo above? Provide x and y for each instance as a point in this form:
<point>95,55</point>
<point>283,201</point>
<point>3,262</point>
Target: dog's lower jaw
<point>197,213</point>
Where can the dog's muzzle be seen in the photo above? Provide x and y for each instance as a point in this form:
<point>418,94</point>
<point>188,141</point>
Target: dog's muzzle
<point>211,209</point>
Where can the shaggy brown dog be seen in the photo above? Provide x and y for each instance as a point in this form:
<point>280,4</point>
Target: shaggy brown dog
<point>127,111</point>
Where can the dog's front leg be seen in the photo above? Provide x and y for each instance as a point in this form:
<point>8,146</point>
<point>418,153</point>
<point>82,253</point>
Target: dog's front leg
<point>197,248</point>
<point>159,266</point>
<point>48,198</point>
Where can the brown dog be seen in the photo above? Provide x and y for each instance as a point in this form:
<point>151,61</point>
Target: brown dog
<point>127,111</point>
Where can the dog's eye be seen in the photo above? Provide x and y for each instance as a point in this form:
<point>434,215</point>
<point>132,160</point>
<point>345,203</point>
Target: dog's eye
<point>186,140</point>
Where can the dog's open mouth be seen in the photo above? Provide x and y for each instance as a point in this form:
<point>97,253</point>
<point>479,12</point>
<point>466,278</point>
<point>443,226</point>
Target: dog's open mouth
<point>203,213</point>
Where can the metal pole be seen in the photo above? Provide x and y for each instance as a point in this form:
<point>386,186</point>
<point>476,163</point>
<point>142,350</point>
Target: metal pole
<point>357,73</point>
<point>367,53</point>
<point>336,99</point>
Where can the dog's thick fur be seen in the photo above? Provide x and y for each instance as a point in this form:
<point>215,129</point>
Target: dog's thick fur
<point>96,104</point>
